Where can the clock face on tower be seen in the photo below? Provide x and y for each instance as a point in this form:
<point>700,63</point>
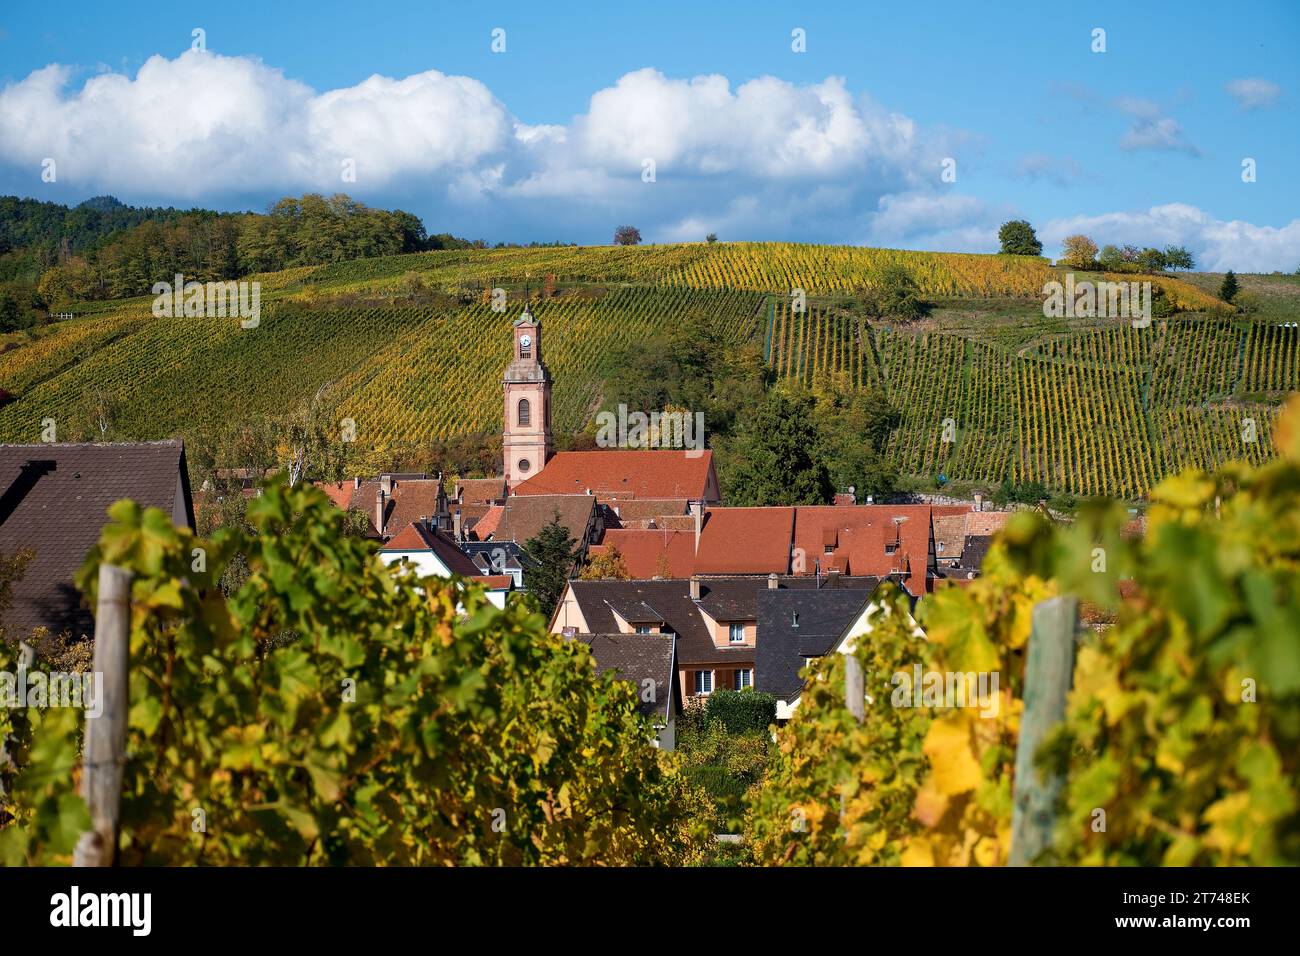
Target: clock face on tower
<point>525,340</point>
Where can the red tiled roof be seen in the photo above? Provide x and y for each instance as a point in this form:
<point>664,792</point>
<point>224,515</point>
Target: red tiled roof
<point>525,516</point>
<point>340,492</point>
<point>486,526</point>
<point>480,490</point>
<point>624,474</point>
<point>418,537</point>
<point>985,523</point>
<point>745,541</point>
<point>643,550</point>
<point>862,533</point>
<point>496,582</point>
<point>411,499</point>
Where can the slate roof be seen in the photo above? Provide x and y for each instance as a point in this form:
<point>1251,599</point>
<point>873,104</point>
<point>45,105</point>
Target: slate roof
<point>54,501</point>
<point>638,658</point>
<point>611,474</point>
<point>671,601</point>
<point>781,647</point>
<point>484,553</point>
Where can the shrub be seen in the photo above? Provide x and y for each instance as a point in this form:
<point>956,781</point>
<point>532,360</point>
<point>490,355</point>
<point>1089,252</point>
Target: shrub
<point>741,711</point>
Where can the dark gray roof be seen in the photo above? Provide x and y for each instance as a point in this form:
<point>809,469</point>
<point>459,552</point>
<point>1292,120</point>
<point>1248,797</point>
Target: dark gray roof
<point>639,658</point>
<point>54,499</point>
<point>975,549</point>
<point>671,601</point>
<point>822,617</point>
<point>497,557</point>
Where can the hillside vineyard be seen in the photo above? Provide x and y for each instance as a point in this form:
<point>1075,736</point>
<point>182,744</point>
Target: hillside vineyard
<point>410,348</point>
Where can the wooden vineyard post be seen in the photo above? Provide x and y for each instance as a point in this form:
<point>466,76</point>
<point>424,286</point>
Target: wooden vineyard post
<point>105,749</point>
<point>855,691</point>
<point>1049,673</point>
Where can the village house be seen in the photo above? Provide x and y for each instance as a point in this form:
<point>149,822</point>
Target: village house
<point>922,543</point>
<point>649,663</point>
<point>432,553</point>
<point>715,619</point>
<point>55,503</point>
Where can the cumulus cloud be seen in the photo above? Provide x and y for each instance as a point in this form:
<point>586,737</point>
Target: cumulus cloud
<point>203,123</point>
<point>1217,244</point>
<point>766,127</point>
<point>764,159</point>
<point>1253,93</point>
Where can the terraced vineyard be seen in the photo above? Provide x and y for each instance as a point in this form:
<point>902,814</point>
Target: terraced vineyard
<point>410,348</point>
<point>402,374</point>
<point>1101,410</point>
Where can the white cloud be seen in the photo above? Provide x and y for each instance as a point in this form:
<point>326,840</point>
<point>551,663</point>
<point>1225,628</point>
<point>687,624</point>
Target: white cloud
<point>766,159</point>
<point>1253,93</point>
<point>1151,130</point>
<point>1216,243</point>
<point>767,127</point>
<point>203,123</point>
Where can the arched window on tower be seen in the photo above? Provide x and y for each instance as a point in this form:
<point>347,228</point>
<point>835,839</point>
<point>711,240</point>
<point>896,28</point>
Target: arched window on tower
<point>525,414</point>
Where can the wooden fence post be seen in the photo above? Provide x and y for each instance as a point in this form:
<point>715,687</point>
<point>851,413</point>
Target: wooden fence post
<point>855,690</point>
<point>1049,674</point>
<point>105,749</point>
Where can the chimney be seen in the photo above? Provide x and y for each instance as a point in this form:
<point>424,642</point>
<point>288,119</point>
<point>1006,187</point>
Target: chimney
<point>697,512</point>
<point>772,581</point>
<point>386,484</point>
<point>695,587</point>
<point>456,529</point>
<point>379,511</point>
<point>979,501</point>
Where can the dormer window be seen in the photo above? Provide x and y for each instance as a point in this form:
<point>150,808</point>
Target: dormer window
<point>736,633</point>
<point>890,548</point>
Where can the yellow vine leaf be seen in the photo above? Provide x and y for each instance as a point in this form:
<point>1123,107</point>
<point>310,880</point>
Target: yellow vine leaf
<point>953,767</point>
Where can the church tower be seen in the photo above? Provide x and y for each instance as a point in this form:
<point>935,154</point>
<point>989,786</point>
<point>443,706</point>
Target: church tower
<point>527,385</point>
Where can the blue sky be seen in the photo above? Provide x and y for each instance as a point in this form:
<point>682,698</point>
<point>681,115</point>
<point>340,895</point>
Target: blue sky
<point>845,142</point>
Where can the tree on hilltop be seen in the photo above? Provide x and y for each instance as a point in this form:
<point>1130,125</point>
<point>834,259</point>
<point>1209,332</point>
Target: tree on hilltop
<point>1079,251</point>
<point>1177,257</point>
<point>627,236</point>
<point>1019,239</point>
<point>1229,287</point>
